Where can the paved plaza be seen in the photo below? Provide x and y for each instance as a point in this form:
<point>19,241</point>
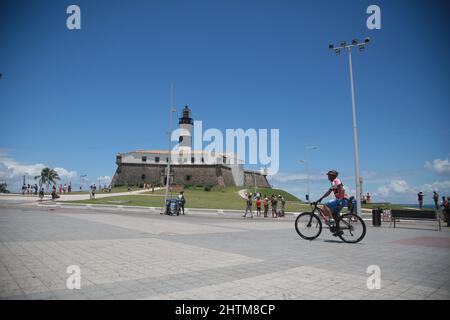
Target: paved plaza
<point>126,254</point>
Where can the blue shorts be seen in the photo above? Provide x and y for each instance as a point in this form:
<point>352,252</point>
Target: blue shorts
<point>336,205</point>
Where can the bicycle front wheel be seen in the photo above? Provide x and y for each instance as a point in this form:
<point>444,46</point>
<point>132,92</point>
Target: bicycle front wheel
<point>352,227</point>
<point>308,225</point>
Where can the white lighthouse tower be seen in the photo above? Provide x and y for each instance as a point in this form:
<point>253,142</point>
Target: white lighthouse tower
<point>186,124</point>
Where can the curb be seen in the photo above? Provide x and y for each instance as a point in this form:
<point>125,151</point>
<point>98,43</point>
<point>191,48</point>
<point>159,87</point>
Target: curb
<point>220,212</point>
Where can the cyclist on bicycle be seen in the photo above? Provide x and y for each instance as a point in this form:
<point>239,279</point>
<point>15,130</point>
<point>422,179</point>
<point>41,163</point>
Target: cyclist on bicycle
<point>333,207</point>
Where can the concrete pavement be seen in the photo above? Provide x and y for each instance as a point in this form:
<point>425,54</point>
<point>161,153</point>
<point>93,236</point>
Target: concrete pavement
<point>135,255</point>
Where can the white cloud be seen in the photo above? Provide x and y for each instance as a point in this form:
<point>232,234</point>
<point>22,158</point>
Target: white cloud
<point>63,173</point>
<point>284,177</point>
<point>439,166</point>
<point>11,168</point>
<point>104,179</point>
<point>394,188</point>
<point>12,171</point>
<point>438,186</point>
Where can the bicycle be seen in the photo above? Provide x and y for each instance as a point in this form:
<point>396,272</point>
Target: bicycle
<point>349,226</point>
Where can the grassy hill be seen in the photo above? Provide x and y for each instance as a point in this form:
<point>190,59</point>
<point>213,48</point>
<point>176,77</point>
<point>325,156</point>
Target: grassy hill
<point>216,198</point>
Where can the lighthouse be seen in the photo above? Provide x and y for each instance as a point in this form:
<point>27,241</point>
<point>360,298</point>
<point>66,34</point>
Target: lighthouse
<point>185,123</point>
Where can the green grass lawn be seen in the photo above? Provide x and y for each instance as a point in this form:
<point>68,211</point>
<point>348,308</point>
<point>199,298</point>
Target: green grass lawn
<point>389,206</point>
<point>217,198</point>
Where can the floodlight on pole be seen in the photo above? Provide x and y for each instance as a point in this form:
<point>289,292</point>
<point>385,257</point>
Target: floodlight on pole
<point>360,45</point>
<point>306,162</point>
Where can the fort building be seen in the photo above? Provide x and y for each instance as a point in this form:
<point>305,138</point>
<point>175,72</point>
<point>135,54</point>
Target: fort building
<point>187,166</point>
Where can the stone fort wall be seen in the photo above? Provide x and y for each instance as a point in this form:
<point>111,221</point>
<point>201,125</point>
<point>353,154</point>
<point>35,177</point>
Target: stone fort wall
<point>250,177</point>
<point>204,175</point>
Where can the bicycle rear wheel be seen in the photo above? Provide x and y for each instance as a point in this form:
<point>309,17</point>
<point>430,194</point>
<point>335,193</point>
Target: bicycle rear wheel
<point>352,227</point>
<point>308,225</point>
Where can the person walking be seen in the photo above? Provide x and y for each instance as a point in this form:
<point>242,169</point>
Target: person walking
<point>41,194</point>
<point>274,206</point>
<point>54,192</point>
<point>249,206</point>
<point>420,199</point>
<point>182,201</point>
<point>444,205</point>
<point>282,204</point>
<point>258,206</point>
<point>266,205</point>
<point>436,200</point>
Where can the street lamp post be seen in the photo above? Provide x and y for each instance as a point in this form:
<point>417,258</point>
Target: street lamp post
<point>171,110</point>
<point>306,162</point>
<point>337,50</point>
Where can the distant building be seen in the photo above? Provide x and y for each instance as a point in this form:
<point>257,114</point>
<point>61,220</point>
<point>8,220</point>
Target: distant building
<point>188,167</point>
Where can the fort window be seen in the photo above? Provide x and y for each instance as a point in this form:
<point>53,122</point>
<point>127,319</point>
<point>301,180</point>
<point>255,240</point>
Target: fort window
<point>188,178</point>
<point>156,159</point>
<point>143,177</point>
<point>144,158</point>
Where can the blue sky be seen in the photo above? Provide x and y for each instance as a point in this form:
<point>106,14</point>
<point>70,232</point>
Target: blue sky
<point>73,99</point>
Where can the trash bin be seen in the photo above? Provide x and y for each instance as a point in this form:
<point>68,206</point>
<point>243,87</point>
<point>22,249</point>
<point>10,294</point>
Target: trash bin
<point>376,217</point>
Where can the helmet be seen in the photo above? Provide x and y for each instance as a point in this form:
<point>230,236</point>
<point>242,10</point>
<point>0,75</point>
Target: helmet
<point>332,173</point>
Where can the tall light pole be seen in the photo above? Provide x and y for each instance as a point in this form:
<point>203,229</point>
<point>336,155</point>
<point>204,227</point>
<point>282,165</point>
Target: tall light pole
<point>171,110</point>
<point>81,180</point>
<point>306,162</point>
<point>337,50</point>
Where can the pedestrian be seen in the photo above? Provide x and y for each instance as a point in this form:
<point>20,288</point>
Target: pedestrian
<point>266,205</point>
<point>54,192</point>
<point>28,189</point>
<point>274,206</point>
<point>282,204</point>
<point>60,189</point>
<point>41,193</point>
<point>436,200</point>
<point>420,199</point>
<point>24,188</point>
<point>368,197</point>
<point>94,189</point>
<point>444,205</point>
<point>69,188</point>
<point>248,206</point>
<point>258,206</point>
<point>182,201</point>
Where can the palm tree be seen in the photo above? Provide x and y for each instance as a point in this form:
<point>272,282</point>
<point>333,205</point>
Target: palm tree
<point>47,176</point>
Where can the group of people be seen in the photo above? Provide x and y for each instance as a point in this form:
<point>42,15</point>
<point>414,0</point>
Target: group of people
<point>148,186</point>
<point>30,189</point>
<point>277,204</point>
<point>65,189</point>
<point>444,205</point>
<point>444,202</point>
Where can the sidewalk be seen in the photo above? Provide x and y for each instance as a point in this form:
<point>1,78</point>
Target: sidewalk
<point>68,197</point>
